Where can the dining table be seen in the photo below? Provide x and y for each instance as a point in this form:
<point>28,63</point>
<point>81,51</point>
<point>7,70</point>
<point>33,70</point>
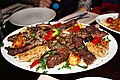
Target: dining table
<point>110,70</point>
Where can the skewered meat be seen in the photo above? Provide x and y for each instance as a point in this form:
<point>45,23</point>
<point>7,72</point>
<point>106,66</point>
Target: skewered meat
<point>14,51</point>
<point>67,25</point>
<point>88,57</point>
<point>56,59</point>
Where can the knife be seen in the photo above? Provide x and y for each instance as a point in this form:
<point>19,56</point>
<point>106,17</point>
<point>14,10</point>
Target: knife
<point>78,16</point>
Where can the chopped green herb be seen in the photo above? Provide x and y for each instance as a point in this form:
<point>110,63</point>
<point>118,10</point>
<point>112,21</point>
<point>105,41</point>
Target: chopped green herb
<point>66,66</point>
<point>15,39</point>
<point>44,72</point>
<point>80,47</point>
<point>59,68</point>
<point>102,51</point>
<point>37,68</point>
<point>1,44</point>
<point>51,52</point>
<point>43,63</point>
<point>59,46</point>
<point>54,44</point>
<point>73,50</point>
<point>73,25</point>
<point>32,35</point>
<point>81,30</point>
<point>68,52</point>
<point>48,22</point>
<point>15,57</point>
<point>22,42</point>
<point>106,39</point>
<point>65,44</point>
<point>84,67</point>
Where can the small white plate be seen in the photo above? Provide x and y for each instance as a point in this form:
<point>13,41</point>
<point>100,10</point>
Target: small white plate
<point>93,78</point>
<point>101,20</point>
<point>32,16</point>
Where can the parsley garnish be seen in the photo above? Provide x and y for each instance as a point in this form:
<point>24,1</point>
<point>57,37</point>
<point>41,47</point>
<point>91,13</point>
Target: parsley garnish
<point>44,72</point>
<point>66,66</point>
<point>37,68</point>
<point>81,47</point>
<point>33,35</point>
<point>84,67</point>
<point>1,44</point>
<point>54,44</point>
<point>43,63</point>
<point>15,39</point>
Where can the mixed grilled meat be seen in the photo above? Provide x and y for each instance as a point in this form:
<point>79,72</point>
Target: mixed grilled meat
<point>62,40</point>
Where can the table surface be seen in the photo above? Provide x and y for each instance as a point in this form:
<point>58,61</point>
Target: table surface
<point>109,70</point>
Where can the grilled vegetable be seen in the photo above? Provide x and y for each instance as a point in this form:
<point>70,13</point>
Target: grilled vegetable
<point>74,59</point>
<point>96,39</point>
<point>75,28</point>
<point>34,63</point>
<point>52,34</point>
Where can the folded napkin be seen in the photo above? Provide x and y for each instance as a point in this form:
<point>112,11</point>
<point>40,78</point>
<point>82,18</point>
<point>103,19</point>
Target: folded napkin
<point>46,77</point>
<point>89,20</point>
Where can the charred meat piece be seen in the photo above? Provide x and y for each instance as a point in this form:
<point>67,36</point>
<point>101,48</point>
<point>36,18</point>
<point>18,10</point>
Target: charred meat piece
<point>33,29</point>
<point>88,39</point>
<point>77,41</point>
<point>67,25</point>
<point>14,51</point>
<point>88,57</point>
<point>94,31</point>
<point>13,37</point>
<point>45,27</point>
<point>91,31</point>
<point>27,34</point>
<point>56,59</point>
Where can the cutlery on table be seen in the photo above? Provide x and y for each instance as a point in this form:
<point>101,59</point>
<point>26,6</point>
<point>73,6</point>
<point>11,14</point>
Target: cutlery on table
<point>13,10</point>
<point>81,16</point>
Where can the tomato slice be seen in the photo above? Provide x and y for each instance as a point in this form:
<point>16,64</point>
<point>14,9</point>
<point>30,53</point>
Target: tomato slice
<point>58,24</point>
<point>76,28</point>
<point>109,20</point>
<point>98,38</point>
<point>48,37</point>
<point>95,41</point>
<point>70,30</point>
<point>34,63</point>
